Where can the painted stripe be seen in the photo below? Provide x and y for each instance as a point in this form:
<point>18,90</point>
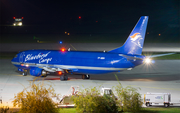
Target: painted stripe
<point>73,47</point>
<point>72,67</point>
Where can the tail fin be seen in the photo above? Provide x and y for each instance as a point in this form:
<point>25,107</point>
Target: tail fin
<point>135,41</point>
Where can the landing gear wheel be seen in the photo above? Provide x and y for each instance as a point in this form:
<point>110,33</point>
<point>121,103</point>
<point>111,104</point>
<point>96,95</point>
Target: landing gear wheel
<point>24,73</point>
<point>85,76</point>
<point>66,77</point>
<point>62,78</point>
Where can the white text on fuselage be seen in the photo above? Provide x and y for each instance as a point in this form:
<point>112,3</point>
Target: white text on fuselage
<point>42,57</point>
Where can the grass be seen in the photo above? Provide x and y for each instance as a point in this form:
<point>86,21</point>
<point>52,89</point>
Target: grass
<point>145,110</point>
<point>68,110</point>
<point>161,110</point>
<point>175,56</point>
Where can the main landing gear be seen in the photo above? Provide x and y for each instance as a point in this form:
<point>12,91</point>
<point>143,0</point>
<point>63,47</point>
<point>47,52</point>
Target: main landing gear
<point>86,76</point>
<point>65,77</point>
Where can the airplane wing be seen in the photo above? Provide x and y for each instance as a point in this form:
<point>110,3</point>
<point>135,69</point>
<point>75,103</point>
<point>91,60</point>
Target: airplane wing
<point>146,57</point>
<point>152,56</point>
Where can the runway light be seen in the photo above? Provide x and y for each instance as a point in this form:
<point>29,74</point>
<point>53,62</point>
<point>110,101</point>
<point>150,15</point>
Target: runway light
<point>60,42</point>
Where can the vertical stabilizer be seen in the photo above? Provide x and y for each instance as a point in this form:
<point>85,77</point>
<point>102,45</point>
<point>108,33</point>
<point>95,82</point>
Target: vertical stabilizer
<point>135,41</point>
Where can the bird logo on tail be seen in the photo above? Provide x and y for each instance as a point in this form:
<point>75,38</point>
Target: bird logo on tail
<point>135,38</point>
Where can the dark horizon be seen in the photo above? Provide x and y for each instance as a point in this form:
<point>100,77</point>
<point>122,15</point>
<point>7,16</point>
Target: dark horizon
<point>90,17</point>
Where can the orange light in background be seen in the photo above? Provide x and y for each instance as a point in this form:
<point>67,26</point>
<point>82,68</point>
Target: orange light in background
<point>60,72</point>
<point>62,49</point>
<point>14,17</point>
<point>22,64</point>
<point>159,34</point>
<point>68,33</point>
<point>65,32</point>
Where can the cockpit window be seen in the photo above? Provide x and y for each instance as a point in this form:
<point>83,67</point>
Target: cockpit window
<point>15,56</point>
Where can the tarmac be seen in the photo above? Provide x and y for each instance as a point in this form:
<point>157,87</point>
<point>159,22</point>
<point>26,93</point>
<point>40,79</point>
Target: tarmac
<point>148,47</point>
<point>163,76</point>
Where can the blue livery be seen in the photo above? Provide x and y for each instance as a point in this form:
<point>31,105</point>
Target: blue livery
<point>126,57</point>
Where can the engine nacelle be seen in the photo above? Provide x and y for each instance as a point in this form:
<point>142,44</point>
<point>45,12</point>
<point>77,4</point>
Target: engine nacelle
<point>35,71</point>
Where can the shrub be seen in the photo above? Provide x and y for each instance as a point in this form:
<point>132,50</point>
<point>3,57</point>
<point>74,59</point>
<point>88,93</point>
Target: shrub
<point>129,99</point>
<point>36,99</point>
<point>89,100</point>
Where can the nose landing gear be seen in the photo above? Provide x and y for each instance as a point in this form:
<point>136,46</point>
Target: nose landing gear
<point>24,73</point>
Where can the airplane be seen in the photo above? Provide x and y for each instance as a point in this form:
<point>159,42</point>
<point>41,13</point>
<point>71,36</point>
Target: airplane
<point>126,57</point>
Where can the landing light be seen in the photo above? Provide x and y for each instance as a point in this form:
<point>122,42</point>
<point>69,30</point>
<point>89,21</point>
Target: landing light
<point>147,60</point>
<point>62,49</point>
<point>60,72</point>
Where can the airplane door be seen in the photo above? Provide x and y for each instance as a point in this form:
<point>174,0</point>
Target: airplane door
<point>21,57</point>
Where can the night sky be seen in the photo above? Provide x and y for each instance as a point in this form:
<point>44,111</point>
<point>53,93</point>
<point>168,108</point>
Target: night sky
<point>97,17</point>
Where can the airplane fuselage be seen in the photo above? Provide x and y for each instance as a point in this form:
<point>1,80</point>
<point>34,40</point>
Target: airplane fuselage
<point>77,61</point>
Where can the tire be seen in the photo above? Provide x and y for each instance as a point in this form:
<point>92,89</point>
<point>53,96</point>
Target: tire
<point>24,73</point>
<point>65,77</point>
<point>87,76</point>
<point>147,104</point>
<point>166,105</point>
<point>62,78</point>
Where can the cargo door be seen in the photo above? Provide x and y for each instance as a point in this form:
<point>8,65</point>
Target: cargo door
<point>166,100</point>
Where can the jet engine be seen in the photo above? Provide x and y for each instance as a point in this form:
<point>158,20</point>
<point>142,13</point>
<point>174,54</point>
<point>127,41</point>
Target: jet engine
<point>35,71</point>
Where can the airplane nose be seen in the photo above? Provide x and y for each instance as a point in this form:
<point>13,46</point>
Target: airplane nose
<point>13,60</point>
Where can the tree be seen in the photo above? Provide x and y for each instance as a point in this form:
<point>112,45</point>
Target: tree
<point>89,100</point>
<point>129,99</point>
<point>36,99</point>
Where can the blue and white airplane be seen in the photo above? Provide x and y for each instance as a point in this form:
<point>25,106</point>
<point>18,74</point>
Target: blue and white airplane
<point>126,57</point>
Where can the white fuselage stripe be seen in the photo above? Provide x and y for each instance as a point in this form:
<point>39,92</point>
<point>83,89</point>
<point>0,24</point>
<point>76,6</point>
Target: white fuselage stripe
<point>72,66</point>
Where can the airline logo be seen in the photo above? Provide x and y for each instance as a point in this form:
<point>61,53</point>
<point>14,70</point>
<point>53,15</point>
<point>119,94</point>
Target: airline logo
<point>136,39</point>
<point>41,57</point>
